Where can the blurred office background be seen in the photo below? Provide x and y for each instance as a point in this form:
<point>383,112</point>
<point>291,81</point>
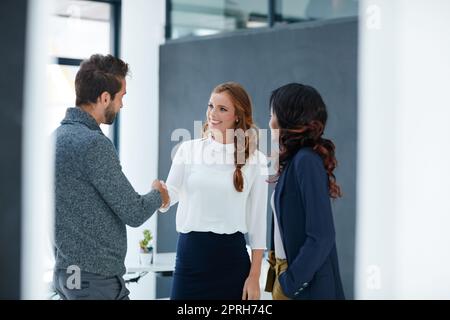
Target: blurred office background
<point>382,66</point>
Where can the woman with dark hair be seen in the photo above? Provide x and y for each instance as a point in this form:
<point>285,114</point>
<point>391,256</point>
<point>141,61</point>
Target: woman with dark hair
<point>220,184</point>
<point>303,254</point>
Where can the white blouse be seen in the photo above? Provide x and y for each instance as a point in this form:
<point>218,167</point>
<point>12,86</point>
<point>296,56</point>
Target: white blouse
<point>277,241</point>
<point>201,180</point>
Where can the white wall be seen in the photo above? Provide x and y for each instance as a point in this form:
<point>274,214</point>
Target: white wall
<point>142,32</point>
<point>403,216</point>
<point>37,165</point>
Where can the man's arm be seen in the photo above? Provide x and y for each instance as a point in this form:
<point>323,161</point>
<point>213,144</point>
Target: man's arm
<point>103,170</point>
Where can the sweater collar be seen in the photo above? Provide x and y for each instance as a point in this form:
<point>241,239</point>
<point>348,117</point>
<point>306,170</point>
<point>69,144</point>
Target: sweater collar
<point>80,116</point>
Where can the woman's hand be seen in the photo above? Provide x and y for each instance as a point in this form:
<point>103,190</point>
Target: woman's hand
<point>251,288</point>
<point>162,188</point>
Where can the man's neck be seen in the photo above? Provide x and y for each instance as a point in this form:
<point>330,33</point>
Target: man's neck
<point>91,110</point>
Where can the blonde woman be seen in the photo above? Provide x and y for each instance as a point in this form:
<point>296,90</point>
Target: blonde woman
<point>219,182</point>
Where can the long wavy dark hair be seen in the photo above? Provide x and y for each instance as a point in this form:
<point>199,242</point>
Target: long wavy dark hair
<point>302,116</point>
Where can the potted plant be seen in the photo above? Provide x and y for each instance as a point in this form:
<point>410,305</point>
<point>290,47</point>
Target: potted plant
<point>146,248</point>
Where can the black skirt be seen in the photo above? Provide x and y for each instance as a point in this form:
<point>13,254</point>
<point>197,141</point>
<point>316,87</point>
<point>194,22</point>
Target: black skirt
<point>210,266</point>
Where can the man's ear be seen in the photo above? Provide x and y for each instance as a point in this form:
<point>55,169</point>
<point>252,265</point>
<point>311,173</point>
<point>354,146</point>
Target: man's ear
<point>105,98</point>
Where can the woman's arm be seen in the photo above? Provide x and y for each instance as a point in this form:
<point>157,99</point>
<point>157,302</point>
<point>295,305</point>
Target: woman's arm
<point>175,178</point>
<point>257,225</point>
<point>252,290</point>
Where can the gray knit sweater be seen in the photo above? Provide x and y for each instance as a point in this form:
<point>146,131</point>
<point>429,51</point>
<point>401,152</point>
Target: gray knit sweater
<point>94,200</point>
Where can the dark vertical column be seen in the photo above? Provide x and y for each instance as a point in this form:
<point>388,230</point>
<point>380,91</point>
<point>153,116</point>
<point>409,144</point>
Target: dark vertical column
<point>168,28</point>
<point>116,20</point>
<point>275,9</point>
<point>13,18</point>
<point>272,12</point>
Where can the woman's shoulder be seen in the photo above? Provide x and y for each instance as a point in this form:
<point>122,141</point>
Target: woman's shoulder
<point>307,154</point>
<point>258,163</point>
<point>258,157</point>
<point>183,151</point>
<point>306,158</point>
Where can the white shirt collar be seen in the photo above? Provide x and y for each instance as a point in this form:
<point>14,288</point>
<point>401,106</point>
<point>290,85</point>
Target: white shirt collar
<point>221,147</point>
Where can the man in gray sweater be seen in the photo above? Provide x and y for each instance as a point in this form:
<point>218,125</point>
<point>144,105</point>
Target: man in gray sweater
<point>94,200</point>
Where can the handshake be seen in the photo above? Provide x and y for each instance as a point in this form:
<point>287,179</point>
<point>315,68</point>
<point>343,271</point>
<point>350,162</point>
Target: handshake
<point>162,188</point>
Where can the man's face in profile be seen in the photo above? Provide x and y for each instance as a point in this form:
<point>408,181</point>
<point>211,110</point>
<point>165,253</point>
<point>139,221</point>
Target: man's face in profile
<point>114,107</point>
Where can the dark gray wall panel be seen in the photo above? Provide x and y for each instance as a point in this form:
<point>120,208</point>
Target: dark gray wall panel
<point>13,15</point>
<point>322,54</point>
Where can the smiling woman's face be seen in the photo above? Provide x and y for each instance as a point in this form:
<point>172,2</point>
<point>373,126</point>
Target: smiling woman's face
<point>221,112</point>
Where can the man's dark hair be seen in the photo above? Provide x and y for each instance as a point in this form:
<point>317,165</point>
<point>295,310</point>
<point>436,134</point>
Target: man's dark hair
<point>98,74</point>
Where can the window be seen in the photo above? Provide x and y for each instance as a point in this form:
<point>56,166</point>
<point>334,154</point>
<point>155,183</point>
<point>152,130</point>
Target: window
<point>61,91</point>
<point>78,30</point>
<point>204,17</point>
<point>292,11</point>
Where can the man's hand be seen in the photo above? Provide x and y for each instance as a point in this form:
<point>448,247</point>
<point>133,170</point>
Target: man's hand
<point>162,188</point>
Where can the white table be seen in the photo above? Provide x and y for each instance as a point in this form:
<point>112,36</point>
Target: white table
<point>163,264</point>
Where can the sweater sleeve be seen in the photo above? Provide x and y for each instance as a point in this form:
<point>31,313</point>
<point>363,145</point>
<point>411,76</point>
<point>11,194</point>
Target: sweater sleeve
<point>104,172</point>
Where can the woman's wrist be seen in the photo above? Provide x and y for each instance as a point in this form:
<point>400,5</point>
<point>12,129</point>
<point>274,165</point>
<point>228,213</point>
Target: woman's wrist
<point>254,274</point>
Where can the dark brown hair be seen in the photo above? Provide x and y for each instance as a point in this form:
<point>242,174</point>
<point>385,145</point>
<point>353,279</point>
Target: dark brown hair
<point>98,74</point>
<point>243,110</point>
<point>302,115</point>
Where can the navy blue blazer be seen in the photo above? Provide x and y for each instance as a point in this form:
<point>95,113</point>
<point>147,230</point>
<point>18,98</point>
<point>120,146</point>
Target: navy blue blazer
<point>303,210</point>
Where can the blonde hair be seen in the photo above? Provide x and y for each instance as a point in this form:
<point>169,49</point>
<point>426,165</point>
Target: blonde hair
<point>243,110</point>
